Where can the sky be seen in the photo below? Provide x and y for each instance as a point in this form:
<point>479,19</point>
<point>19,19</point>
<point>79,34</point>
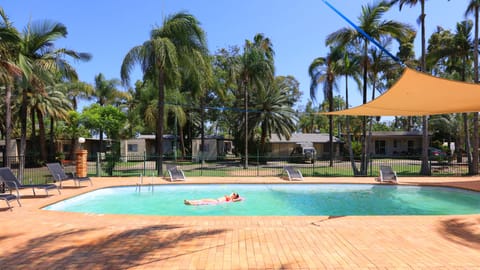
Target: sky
<point>108,29</point>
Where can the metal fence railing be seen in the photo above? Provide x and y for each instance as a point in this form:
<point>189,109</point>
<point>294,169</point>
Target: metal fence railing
<point>125,166</point>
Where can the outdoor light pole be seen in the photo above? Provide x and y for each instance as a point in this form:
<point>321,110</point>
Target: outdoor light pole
<point>81,141</point>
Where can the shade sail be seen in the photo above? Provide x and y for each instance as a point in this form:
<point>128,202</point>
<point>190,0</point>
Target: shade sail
<point>417,94</point>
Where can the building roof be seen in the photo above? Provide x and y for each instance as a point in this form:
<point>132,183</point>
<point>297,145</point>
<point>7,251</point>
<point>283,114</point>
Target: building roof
<point>152,136</point>
<point>303,138</point>
<point>396,133</point>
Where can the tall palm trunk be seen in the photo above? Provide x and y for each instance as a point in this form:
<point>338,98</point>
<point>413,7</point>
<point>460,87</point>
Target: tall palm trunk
<point>8,125</point>
<point>363,158</point>
<point>23,134</point>
<point>51,141</point>
<point>246,127</point>
<point>425,169</point>
<point>475,114</point>
<point>349,139</point>
<point>42,137</point>
<point>182,141</point>
<point>468,146</point>
<point>160,114</point>
<point>330,118</point>
<point>202,131</point>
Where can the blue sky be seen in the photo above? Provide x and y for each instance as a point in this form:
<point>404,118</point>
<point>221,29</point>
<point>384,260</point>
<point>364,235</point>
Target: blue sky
<point>109,29</point>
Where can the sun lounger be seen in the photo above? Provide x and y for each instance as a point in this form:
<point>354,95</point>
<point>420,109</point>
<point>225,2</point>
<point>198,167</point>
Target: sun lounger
<point>12,183</point>
<point>175,173</point>
<point>10,197</point>
<point>293,174</point>
<point>59,175</point>
<point>387,174</point>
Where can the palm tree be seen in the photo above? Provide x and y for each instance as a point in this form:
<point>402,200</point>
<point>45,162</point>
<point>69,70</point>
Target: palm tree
<point>53,104</point>
<point>473,7</point>
<point>273,113</point>
<point>425,169</point>
<point>371,23</point>
<point>9,71</point>
<point>321,71</point>
<point>252,71</point>
<point>457,50</point>
<point>179,45</point>
<point>45,62</point>
<point>107,93</point>
<point>348,66</point>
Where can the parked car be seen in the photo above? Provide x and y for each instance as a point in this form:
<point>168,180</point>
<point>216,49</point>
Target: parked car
<point>302,154</point>
<point>436,154</point>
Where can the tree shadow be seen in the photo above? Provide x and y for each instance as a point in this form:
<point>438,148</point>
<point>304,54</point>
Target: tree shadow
<point>463,231</point>
<point>67,249</point>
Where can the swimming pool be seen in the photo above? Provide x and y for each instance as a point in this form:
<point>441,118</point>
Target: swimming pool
<point>276,200</point>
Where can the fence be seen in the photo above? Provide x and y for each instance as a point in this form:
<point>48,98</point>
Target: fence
<point>124,166</point>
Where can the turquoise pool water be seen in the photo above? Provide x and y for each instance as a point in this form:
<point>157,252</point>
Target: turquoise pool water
<point>277,200</point>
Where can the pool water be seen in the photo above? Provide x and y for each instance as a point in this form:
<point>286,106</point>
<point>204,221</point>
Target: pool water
<point>276,200</point>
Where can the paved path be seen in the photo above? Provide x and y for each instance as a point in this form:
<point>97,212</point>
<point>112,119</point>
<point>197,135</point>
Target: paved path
<point>31,238</point>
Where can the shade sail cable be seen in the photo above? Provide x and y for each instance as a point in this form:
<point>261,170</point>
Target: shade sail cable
<point>367,36</point>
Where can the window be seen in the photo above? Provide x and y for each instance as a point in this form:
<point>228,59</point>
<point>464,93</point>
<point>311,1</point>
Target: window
<point>132,147</point>
<point>380,147</point>
<point>395,143</point>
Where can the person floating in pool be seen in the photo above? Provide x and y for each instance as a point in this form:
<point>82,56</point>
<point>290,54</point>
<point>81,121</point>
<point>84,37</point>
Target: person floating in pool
<point>234,197</point>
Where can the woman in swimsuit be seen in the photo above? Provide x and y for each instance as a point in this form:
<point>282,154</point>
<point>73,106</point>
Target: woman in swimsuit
<point>234,197</point>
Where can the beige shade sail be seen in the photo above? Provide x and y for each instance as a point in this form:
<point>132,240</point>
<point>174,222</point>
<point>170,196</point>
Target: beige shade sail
<point>417,94</point>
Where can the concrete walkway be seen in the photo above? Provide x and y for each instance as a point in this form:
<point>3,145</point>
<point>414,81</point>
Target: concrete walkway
<point>31,238</point>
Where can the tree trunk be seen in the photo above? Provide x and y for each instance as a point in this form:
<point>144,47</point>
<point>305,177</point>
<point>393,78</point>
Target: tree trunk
<point>468,147</point>
<point>23,135</point>
<point>246,128</point>
<point>425,169</point>
<point>51,143</point>
<point>475,114</point>
<point>159,131</point>
<point>42,137</point>
<point>182,141</point>
<point>349,139</point>
<point>363,158</point>
<point>8,126</point>
<point>202,131</point>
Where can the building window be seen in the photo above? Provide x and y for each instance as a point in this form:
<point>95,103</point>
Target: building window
<point>132,147</point>
<point>380,147</point>
<point>395,142</point>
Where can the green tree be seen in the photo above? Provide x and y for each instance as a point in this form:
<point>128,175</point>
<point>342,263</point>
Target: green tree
<point>10,70</point>
<point>178,46</point>
<point>425,169</point>
<point>253,71</point>
<point>372,24</point>
<point>321,71</point>
<point>106,92</point>
<point>456,52</point>
<point>473,8</point>
<point>45,62</point>
<point>108,119</point>
<point>272,113</point>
